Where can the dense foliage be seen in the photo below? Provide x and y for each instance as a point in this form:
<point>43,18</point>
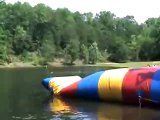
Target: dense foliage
<point>41,34</point>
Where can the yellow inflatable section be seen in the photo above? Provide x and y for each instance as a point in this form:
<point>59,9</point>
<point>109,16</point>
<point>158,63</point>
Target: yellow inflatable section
<point>110,84</point>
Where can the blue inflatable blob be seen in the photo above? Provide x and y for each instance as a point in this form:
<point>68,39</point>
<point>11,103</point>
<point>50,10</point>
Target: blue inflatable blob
<point>155,87</point>
<point>88,86</point>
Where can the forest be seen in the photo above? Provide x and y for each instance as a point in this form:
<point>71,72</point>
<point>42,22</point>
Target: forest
<point>40,34</point>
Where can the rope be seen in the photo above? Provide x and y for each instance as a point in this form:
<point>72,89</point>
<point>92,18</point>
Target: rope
<point>139,100</point>
<point>146,99</point>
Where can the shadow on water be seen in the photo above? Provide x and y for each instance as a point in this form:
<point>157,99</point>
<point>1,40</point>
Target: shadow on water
<point>22,96</point>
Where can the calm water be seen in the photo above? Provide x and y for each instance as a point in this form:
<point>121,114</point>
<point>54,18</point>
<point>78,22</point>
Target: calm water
<point>22,97</point>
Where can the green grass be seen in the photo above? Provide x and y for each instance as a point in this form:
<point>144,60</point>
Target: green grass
<point>130,64</point>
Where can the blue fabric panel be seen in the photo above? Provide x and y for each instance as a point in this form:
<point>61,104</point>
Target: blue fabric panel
<point>155,87</point>
<point>45,83</point>
<point>88,86</point>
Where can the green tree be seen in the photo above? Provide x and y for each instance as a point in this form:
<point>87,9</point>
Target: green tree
<point>84,54</point>
<point>3,46</point>
<point>72,51</point>
<point>47,50</point>
<point>135,46</point>
<point>148,44</point>
<point>93,52</point>
<point>22,42</point>
<point>40,31</point>
<point>155,35</point>
<point>118,50</point>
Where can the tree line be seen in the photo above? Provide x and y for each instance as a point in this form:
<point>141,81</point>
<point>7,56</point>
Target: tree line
<point>41,34</point>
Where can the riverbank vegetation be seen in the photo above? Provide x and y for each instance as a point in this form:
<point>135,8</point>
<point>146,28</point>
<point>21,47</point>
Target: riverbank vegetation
<point>39,35</point>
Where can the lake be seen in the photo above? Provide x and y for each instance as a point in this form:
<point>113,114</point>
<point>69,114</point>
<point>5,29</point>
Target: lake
<point>22,97</point>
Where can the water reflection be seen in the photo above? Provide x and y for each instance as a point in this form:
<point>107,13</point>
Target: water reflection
<point>62,108</point>
<point>82,109</point>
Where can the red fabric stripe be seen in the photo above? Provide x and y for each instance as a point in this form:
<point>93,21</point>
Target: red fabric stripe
<point>70,90</point>
<point>137,80</point>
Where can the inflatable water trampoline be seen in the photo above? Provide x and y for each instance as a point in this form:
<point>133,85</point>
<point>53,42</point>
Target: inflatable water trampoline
<point>126,85</point>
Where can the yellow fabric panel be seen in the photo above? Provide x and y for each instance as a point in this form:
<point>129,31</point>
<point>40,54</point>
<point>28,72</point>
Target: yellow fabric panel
<point>56,88</point>
<point>110,84</point>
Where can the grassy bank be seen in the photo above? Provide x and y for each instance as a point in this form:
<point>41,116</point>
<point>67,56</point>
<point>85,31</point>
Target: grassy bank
<point>112,64</point>
<point>130,64</point>
<point>59,64</point>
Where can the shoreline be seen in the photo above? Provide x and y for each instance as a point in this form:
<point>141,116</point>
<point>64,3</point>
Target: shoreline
<point>77,64</point>
<point>17,65</point>
<point>52,64</point>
